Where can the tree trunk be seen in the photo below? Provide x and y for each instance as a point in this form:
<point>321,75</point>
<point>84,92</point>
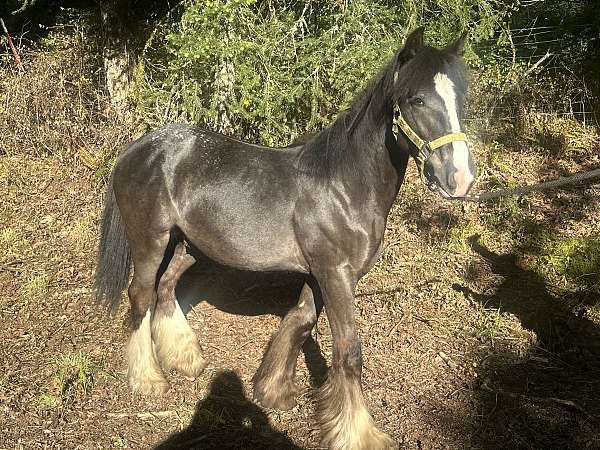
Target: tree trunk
<point>118,58</point>
<point>223,88</point>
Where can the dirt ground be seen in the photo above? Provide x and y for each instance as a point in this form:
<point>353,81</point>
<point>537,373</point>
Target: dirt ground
<point>466,346</point>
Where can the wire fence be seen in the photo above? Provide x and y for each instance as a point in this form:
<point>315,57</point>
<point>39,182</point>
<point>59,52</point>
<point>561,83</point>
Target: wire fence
<point>554,82</point>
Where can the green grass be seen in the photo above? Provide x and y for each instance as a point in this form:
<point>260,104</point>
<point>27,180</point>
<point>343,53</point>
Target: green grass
<point>105,167</point>
<point>48,402</point>
<point>458,240</point>
<point>490,323</point>
<point>495,151</point>
<point>8,235</point>
<point>13,244</point>
<point>593,312</point>
<point>572,260</point>
<point>33,290</point>
<point>504,213</point>
<point>119,441</point>
<point>75,374</point>
<point>81,231</point>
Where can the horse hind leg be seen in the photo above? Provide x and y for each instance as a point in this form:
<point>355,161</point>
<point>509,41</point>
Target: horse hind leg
<point>144,374</point>
<point>274,385</point>
<point>174,340</point>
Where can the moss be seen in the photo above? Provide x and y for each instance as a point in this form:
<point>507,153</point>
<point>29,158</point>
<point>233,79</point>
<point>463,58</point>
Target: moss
<point>459,236</point>
<point>575,260</point>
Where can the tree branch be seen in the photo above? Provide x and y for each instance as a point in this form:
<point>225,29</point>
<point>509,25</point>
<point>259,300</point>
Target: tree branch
<point>12,45</point>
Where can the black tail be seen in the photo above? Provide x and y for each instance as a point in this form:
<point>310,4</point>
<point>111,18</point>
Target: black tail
<point>114,257</point>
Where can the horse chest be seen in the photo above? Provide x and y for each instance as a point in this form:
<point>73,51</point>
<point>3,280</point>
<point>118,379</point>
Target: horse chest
<point>341,236</point>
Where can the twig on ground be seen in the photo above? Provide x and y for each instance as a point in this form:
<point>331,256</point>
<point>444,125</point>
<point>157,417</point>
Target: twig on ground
<point>8,266</point>
<point>396,325</point>
<point>144,415</point>
<point>423,319</point>
<point>386,290</point>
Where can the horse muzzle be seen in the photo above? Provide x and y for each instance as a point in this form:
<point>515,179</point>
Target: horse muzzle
<point>448,182</point>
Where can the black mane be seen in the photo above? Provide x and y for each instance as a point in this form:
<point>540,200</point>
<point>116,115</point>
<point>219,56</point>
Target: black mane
<point>336,147</point>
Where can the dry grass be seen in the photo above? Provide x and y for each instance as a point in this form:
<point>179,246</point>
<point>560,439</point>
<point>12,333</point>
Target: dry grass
<point>57,105</point>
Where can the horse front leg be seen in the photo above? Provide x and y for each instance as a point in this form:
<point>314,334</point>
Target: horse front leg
<point>342,413</point>
<point>274,385</point>
<point>174,340</point>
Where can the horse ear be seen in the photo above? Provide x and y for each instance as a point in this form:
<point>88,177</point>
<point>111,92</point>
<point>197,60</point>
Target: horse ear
<point>414,42</point>
<point>458,46</point>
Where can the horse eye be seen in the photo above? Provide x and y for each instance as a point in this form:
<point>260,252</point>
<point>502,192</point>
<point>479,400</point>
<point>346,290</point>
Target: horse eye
<point>418,101</point>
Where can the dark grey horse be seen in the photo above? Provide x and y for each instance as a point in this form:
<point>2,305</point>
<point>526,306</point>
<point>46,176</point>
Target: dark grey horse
<point>319,208</point>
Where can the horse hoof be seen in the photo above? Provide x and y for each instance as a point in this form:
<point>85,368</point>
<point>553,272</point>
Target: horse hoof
<point>176,346</point>
<point>149,381</point>
<point>149,385</point>
<point>276,395</point>
<point>191,367</point>
<point>187,360</point>
<point>371,440</point>
<point>344,419</point>
<point>383,442</point>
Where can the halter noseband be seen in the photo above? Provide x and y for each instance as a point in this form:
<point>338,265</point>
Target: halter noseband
<point>424,148</point>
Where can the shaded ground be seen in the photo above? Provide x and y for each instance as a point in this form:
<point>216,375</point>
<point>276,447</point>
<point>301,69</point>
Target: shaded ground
<point>226,418</point>
<point>466,344</point>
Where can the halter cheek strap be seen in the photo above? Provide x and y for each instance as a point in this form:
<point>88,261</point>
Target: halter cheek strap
<point>424,148</point>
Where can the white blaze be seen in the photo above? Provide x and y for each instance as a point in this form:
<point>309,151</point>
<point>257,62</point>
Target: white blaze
<point>460,152</point>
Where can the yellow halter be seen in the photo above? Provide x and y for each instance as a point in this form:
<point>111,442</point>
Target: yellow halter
<point>424,147</point>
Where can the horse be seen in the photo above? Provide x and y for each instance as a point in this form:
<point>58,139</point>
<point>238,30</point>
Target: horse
<point>318,208</point>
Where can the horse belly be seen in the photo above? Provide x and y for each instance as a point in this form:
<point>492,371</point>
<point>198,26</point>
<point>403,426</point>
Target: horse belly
<point>255,245</point>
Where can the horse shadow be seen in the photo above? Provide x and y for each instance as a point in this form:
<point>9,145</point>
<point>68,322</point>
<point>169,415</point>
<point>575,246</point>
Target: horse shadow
<point>247,293</point>
<point>226,419</point>
<point>236,291</point>
<point>547,396</point>
<point>550,313</point>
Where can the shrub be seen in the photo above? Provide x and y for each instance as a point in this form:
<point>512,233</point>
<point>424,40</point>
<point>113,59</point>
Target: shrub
<point>294,65</point>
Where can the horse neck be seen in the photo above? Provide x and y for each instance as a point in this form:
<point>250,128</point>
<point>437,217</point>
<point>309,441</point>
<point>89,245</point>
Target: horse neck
<point>383,162</point>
